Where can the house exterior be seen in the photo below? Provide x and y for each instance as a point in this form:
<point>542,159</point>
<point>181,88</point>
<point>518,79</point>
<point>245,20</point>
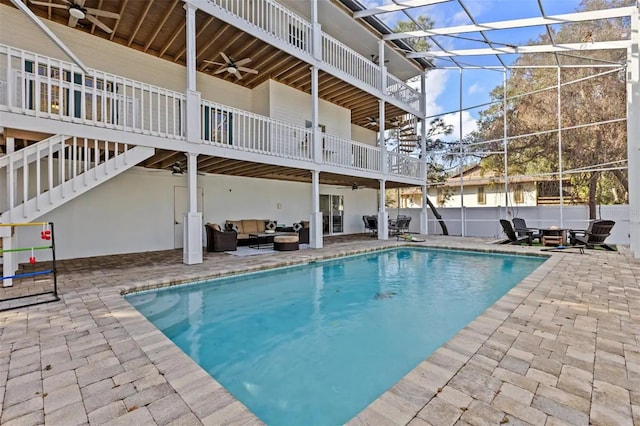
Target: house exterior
<point>489,191</point>
<point>131,134</point>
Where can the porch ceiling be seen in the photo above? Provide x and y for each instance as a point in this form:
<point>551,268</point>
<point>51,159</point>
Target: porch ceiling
<point>164,159</point>
<point>160,31</point>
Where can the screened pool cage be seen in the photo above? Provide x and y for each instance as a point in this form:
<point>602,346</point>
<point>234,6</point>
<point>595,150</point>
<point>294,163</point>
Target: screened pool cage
<point>558,141</point>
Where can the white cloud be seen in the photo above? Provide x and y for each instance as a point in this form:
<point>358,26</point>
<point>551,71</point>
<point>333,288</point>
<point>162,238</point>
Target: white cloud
<point>474,88</point>
<point>469,124</point>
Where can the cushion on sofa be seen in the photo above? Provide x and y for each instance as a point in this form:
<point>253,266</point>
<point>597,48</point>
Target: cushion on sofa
<point>233,225</point>
<point>249,226</point>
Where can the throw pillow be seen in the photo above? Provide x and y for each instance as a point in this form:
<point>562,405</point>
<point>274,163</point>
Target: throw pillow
<point>271,225</point>
<point>297,226</point>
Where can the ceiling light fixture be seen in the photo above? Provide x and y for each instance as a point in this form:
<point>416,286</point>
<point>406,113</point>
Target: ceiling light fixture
<point>77,12</point>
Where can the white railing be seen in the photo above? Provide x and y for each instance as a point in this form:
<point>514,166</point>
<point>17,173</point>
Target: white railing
<point>403,92</point>
<point>36,170</point>
<point>404,165</point>
<point>347,60</point>
<point>273,18</point>
<point>243,130</point>
<point>46,87</point>
<point>350,154</point>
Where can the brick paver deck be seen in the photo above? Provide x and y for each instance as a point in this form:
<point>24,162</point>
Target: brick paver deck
<point>562,347</point>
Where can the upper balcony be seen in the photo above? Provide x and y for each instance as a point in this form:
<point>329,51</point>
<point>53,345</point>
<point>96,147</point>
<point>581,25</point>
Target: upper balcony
<point>275,41</point>
<point>32,85</point>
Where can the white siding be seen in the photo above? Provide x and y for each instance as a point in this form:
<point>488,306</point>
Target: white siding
<point>494,196</point>
<point>360,134</point>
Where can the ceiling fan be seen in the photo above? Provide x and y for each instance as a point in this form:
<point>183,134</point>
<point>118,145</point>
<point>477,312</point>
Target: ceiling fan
<point>371,121</point>
<point>233,67</point>
<point>77,11</point>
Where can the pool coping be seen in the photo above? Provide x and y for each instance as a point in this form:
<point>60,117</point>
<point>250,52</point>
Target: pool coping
<point>398,405</point>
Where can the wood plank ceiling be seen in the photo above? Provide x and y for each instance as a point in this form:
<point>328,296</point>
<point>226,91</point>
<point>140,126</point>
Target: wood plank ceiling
<point>157,27</point>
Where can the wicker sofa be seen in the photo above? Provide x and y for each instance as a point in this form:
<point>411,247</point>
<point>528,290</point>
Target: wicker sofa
<point>245,227</point>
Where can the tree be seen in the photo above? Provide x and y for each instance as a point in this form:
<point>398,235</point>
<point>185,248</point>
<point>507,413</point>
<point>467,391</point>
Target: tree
<point>593,100</point>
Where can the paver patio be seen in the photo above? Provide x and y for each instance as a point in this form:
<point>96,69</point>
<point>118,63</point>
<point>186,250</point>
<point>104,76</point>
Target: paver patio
<point>562,347</point>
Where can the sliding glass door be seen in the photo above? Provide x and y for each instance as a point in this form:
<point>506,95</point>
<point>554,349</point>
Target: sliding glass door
<point>332,208</point>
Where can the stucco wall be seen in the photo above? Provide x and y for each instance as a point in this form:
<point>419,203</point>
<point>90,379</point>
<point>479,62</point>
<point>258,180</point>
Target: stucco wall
<point>134,212</point>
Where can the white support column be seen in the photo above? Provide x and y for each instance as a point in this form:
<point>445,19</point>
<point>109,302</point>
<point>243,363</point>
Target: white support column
<point>192,248</point>
<point>193,130</point>
<point>559,100</point>
<point>316,29</point>
<point>384,167</point>
<point>505,143</point>
<point>633,132</point>
<point>383,68</point>
<point>383,216</point>
<point>315,233</point>
<point>463,219</point>
<point>424,213</point>
<point>317,133</point>
<point>9,260</point>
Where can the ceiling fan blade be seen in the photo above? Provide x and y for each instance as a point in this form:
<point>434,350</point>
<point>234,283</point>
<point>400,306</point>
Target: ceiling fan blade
<point>98,24</point>
<point>72,21</point>
<point>238,75</point>
<point>54,5</point>
<point>226,58</point>
<point>221,70</point>
<point>103,13</point>
<point>249,70</point>
<point>213,62</point>
<point>78,2</point>
<point>243,61</point>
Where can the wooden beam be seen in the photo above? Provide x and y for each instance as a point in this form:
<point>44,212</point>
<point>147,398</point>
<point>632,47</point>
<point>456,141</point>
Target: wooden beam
<point>173,37</point>
<point>123,5</point>
<point>141,19</point>
<point>160,26</point>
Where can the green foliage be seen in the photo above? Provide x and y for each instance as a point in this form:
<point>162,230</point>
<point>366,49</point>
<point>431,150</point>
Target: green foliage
<point>592,100</point>
<point>422,22</point>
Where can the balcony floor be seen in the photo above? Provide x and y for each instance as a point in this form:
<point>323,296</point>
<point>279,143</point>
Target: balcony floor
<point>562,347</point>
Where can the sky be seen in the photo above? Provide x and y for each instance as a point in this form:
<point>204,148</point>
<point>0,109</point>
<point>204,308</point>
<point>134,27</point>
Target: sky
<point>443,86</point>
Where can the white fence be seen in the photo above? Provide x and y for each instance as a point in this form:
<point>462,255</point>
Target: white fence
<point>484,221</point>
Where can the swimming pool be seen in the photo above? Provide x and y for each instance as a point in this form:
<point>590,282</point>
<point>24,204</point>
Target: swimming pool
<point>315,344</point>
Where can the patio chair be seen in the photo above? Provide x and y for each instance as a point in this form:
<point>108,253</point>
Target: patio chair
<point>512,237</point>
<point>218,240</point>
<point>523,230</point>
<point>594,235</point>
<point>371,224</point>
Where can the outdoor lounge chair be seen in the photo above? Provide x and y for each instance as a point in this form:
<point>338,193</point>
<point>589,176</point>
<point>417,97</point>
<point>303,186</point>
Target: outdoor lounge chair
<point>371,224</point>
<point>218,240</point>
<point>523,230</point>
<point>511,234</point>
<point>594,235</point>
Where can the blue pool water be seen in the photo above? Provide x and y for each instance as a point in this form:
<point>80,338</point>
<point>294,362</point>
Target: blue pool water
<point>316,344</point>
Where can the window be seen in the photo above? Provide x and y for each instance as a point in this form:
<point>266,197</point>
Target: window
<point>481,196</point>
<point>518,194</point>
<point>218,125</point>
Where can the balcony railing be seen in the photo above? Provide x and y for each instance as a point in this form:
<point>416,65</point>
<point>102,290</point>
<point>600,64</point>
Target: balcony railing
<point>44,87</point>
<point>404,165</point>
<point>273,18</point>
<point>246,131</point>
<point>350,154</point>
<point>285,25</point>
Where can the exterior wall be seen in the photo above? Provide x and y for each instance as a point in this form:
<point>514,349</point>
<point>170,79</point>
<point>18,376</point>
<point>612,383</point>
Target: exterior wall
<point>260,99</point>
<point>360,134</point>
<point>111,57</point>
<point>294,106</point>
<point>134,212</point>
<point>494,195</point>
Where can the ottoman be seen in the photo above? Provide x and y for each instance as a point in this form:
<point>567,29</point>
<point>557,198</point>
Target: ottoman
<point>285,242</point>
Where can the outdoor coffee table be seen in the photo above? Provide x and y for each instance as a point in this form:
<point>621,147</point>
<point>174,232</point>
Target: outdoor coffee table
<point>254,239</point>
